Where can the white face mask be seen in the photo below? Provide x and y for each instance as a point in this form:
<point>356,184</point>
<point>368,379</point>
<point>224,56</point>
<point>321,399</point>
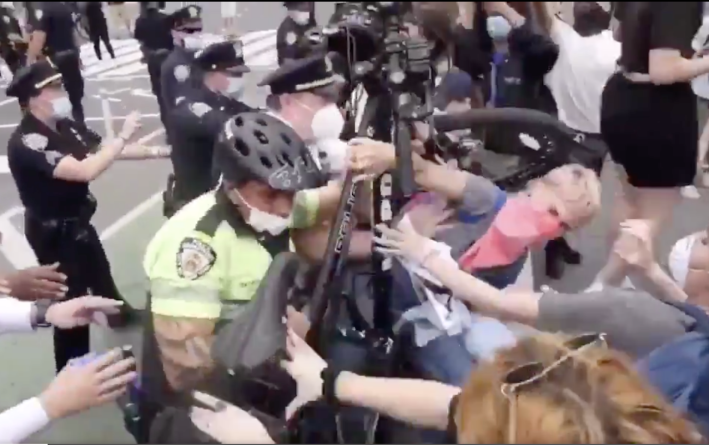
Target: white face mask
<point>265,222</point>
<point>235,88</point>
<point>61,107</point>
<point>193,42</point>
<point>327,123</point>
<point>300,17</point>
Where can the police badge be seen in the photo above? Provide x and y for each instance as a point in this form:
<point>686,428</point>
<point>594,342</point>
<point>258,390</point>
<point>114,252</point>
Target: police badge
<point>35,141</point>
<point>291,38</point>
<point>194,259</point>
<point>38,13</point>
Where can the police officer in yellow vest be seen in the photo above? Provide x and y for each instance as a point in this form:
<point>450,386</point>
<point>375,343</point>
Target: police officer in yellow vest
<point>210,257</point>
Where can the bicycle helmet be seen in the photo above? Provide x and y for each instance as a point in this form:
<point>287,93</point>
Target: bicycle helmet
<point>256,146</point>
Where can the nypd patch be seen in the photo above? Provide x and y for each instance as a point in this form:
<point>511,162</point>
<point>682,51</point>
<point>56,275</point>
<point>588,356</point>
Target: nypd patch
<point>181,72</point>
<point>35,141</point>
<point>291,38</point>
<point>200,108</point>
<point>194,259</point>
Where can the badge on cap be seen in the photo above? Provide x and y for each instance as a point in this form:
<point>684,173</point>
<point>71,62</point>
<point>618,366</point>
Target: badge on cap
<point>182,72</point>
<point>198,53</point>
<point>200,109</point>
<point>38,13</point>
<point>6,19</point>
<point>192,11</point>
<point>35,141</point>
<point>291,38</point>
<point>238,49</point>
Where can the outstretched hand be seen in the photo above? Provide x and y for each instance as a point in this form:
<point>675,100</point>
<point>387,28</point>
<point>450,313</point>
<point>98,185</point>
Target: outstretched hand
<point>35,283</point>
<point>634,244</point>
<point>305,366</point>
<point>82,311</point>
<point>227,423</point>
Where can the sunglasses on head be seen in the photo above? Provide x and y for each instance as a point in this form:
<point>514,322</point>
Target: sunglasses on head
<point>525,375</point>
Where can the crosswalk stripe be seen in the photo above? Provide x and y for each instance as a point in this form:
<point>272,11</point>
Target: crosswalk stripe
<point>259,53</point>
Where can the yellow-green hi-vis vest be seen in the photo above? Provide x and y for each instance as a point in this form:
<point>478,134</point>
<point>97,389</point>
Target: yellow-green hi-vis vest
<point>205,260</point>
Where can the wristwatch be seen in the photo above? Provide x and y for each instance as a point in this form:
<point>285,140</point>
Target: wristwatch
<point>39,314</point>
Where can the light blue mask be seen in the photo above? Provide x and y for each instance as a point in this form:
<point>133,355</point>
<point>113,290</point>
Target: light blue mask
<point>498,27</point>
<point>235,88</point>
<point>61,107</point>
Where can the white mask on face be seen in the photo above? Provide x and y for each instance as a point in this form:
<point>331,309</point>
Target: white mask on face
<point>235,88</point>
<point>300,17</point>
<point>678,261</point>
<point>327,123</point>
<point>61,107</point>
<point>265,222</point>
<point>193,42</point>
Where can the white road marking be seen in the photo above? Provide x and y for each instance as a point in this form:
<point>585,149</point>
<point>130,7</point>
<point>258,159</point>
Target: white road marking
<point>142,93</point>
<point>109,132</point>
<point>4,165</point>
<point>94,119</point>
<point>131,216</point>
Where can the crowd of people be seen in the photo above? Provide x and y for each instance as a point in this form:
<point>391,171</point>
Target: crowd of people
<point>622,361</point>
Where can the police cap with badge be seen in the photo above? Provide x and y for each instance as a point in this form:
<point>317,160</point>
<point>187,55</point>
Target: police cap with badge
<point>297,76</point>
<point>31,80</point>
<point>223,56</point>
<point>187,19</point>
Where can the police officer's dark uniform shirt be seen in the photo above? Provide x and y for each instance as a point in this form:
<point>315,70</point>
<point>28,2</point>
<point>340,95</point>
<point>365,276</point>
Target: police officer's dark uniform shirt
<point>56,20</point>
<point>291,42</point>
<point>152,30</point>
<point>198,118</point>
<point>177,74</point>
<point>34,150</point>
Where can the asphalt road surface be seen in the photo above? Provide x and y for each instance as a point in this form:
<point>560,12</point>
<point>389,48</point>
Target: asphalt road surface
<point>129,210</point>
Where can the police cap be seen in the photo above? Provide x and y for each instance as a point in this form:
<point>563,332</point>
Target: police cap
<point>30,80</point>
<point>297,76</point>
<point>300,6</point>
<point>187,18</point>
<point>222,56</point>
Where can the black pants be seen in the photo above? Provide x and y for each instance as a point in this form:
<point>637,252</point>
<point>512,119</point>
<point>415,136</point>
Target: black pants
<point>70,68</point>
<point>77,248</point>
<point>154,64</point>
<point>99,32</point>
<point>16,60</point>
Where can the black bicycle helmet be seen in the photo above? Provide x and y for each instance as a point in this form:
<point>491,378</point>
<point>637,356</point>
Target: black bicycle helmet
<point>256,146</point>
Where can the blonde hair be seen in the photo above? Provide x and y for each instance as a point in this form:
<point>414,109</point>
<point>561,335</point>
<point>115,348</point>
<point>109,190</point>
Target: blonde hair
<point>594,396</point>
<point>573,191</point>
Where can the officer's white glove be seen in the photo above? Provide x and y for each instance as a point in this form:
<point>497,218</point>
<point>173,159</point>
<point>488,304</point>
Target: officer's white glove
<point>227,423</point>
<point>82,311</point>
<point>130,125</point>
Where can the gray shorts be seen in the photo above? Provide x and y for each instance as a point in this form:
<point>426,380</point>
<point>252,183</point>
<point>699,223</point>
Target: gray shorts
<point>634,321</point>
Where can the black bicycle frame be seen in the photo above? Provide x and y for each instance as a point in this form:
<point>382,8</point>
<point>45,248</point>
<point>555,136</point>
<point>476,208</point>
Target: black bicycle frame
<point>338,242</point>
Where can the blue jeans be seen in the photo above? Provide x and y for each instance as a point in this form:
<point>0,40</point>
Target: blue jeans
<point>450,359</point>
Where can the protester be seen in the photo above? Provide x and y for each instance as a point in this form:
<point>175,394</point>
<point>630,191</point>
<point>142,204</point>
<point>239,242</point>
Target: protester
<point>77,387</point>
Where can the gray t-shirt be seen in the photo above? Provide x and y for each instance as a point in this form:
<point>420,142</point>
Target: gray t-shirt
<point>634,321</point>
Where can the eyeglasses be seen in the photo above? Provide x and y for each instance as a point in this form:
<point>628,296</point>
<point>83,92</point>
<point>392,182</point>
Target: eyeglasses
<point>535,372</point>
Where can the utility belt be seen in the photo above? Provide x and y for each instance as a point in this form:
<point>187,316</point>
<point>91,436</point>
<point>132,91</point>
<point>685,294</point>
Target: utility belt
<point>74,226</point>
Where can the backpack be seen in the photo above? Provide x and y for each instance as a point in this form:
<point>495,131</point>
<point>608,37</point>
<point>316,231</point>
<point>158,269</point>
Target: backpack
<point>680,368</point>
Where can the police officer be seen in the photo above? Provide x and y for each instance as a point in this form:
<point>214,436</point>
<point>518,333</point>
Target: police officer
<point>98,28</point>
<point>13,47</point>
<point>199,117</point>
<point>54,34</point>
<point>176,73</point>
<point>152,30</point>
<point>291,41</point>
<point>52,160</point>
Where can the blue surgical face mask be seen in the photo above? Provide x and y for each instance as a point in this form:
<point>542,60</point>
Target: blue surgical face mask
<point>498,27</point>
<point>61,107</point>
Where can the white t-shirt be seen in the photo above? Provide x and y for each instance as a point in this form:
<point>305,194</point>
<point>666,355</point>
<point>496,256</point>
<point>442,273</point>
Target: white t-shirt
<point>25,419</point>
<point>580,74</point>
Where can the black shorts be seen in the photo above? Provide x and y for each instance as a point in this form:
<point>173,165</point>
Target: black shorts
<point>651,131</point>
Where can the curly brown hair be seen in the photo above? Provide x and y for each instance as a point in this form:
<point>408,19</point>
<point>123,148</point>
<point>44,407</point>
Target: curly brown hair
<point>592,395</point>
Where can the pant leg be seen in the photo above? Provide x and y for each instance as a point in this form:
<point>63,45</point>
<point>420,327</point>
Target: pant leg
<point>154,65</point>
<point>101,281</point>
<point>96,41</point>
<point>50,245</point>
<point>74,85</point>
<point>106,39</point>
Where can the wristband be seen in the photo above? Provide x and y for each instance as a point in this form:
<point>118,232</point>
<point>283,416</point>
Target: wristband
<point>39,314</point>
<point>329,378</point>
